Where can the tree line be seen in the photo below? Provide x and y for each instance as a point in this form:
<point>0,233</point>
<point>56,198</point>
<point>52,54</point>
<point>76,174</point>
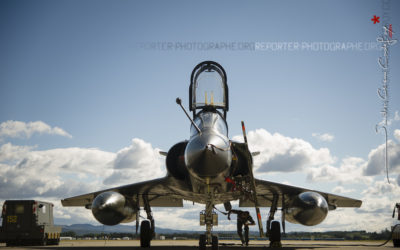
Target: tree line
<point>331,235</point>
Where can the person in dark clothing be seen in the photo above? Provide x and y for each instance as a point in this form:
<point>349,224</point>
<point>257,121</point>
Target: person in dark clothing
<point>243,218</point>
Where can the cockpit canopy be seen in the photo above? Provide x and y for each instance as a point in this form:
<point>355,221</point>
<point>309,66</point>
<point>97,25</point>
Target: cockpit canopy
<point>208,88</point>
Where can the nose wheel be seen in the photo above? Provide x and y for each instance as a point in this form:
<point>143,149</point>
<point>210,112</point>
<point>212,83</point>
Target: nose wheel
<point>214,243</point>
<point>203,242</point>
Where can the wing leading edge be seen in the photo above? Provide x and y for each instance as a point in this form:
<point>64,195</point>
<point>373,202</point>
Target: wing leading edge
<point>266,191</point>
<point>159,193</point>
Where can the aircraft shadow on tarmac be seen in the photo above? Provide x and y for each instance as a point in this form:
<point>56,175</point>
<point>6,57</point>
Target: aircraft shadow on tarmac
<point>168,247</point>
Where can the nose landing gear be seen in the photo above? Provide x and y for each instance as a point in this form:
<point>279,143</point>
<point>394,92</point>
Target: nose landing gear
<point>203,242</point>
<point>147,227</point>
<point>208,218</point>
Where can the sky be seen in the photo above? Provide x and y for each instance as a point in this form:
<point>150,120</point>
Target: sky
<point>88,89</point>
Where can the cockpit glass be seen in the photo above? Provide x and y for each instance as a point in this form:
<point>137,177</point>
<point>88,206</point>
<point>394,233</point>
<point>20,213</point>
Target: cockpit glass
<point>209,89</point>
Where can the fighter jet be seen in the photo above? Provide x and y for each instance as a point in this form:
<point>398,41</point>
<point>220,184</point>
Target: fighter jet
<point>209,169</point>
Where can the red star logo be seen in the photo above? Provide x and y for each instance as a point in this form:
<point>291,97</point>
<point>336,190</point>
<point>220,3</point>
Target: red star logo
<point>375,19</point>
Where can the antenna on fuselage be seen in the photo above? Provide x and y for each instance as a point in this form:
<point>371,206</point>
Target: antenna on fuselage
<point>179,102</point>
<point>253,185</point>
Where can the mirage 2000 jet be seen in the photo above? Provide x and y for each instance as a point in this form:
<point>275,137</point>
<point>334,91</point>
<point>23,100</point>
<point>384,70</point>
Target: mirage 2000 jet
<point>210,169</point>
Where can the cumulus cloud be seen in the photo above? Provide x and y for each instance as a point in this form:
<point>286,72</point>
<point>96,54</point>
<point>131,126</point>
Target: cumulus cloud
<point>375,213</point>
<point>358,170</point>
<point>64,172</point>
<point>342,190</point>
<point>396,116</point>
<point>184,218</point>
<point>391,120</point>
<point>378,196</point>
<point>26,173</point>
<point>9,152</point>
<point>279,153</point>
<point>376,159</point>
<point>349,219</point>
<point>379,199</point>
<point>326,137</point>
<point>18,129</point>
<point>350,170</point>
<point>382,188</point>
<point>138,162</point>
<point>397,134</point>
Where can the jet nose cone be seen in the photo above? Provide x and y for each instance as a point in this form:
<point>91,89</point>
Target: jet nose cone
<point>208,155</point>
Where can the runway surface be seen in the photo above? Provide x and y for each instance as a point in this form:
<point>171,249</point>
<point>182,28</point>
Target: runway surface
<point>193,244</point>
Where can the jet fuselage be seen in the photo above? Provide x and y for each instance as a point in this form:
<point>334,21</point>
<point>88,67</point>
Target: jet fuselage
<point>208,153</point>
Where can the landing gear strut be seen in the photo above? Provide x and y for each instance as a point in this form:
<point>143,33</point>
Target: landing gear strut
<point>147,227</point>
<point>209,219</point>
<point>274,228</point>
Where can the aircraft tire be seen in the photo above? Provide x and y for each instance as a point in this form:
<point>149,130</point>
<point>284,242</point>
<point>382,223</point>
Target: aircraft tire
<point>44,241</point>
<point>145,234</point>
<point>54,242</point>
<point>214,243</point>
<point>202,242</point>
<point>275,235</point>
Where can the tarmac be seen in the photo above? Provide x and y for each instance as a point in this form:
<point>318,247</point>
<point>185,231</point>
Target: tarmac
<point>193,245</point>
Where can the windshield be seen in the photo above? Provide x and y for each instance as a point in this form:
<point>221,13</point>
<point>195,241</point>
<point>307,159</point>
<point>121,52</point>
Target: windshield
<point>209,120</point>
<point>208,87</point>
<point>209,90</point>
